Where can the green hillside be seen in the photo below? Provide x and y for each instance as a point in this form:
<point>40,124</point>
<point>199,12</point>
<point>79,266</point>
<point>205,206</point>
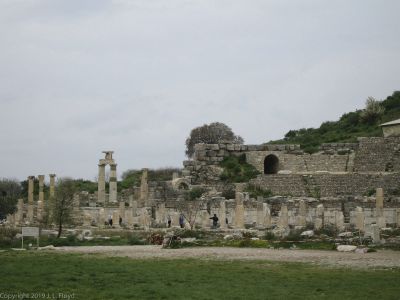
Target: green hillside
<point>359,123</point>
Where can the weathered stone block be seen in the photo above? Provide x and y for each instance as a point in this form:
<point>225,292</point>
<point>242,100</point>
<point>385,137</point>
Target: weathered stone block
<point>230,147</point>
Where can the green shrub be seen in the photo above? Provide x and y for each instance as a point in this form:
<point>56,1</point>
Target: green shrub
<point>7,237</point>
<point>294,235</point>
<point>269,236</point>
<point>256,191</point>
<point>329,230</point>
<point>229,192</point>
<point>135,240</point>
<point>236,169</point>
<point>248,234</point>
<point>188,233</point>
<point>195,193</point>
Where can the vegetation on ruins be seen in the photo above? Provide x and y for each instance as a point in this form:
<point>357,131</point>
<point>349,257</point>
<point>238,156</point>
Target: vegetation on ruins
<point>62,206</point>
<point>10,191</point>
<point>212,133</point>
<point>359,123</point>
<point>236,169</point>
<point>256,191</point>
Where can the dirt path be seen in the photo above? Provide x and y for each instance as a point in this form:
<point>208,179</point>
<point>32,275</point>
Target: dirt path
<point>382,258</point>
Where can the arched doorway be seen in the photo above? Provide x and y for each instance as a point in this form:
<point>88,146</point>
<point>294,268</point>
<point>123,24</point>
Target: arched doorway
<point>271,164</point>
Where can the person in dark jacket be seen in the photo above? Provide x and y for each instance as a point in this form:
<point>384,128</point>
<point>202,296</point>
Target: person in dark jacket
<point>215,221</point>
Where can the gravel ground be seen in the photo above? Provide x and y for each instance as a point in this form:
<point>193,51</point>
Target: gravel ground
<point>380,259</point>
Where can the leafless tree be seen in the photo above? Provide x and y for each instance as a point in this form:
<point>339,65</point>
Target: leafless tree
<point>63,203</point>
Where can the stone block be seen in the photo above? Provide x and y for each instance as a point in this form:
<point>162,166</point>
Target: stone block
<point>214,147</point>
<point>221,153</point>
<point>199,147</point>
<point>230,147</point>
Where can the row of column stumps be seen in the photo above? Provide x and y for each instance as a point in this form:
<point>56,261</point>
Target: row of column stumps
<point>264,215</point>
<point>41,201</point>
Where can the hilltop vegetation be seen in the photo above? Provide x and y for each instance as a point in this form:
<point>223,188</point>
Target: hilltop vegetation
<point>359,123</point>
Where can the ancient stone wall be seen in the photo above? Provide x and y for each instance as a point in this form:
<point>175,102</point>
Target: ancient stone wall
<point>378,155</point>
<point>291,159</point>
<point>327,185</point>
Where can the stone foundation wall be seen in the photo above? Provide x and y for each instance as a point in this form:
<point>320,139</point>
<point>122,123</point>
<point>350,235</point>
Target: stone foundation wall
<point>327,185</point>
<point>378,155</point>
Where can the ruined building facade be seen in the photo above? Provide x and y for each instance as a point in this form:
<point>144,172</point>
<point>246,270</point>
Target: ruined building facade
<point>343,185</point>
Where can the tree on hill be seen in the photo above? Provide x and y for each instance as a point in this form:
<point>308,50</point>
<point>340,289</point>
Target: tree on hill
<point>373,111</point>
<point>10,191</point>
<point>212,133</point>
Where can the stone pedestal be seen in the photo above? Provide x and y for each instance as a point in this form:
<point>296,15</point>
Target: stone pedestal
<point>283,217</point>
<point>129,216</point>
<point>161,217</point>
<point>102,217</point>
<point>122,210</point>
<point>145,219</point>
<point>301,218</point>
<point>360,216</point>
<point>30,213</point>
<point>205,221</point>
<point>115,218</point>
<point>263,215</point>
<point>373,232</point>
<point>239,211</point>
<point>319,217</point>
<point>339,220</point>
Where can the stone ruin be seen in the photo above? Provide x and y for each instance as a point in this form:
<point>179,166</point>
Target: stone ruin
<point>344,185</point>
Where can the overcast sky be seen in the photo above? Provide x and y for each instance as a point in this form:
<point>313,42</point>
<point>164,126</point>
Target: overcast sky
<point>79,77</point>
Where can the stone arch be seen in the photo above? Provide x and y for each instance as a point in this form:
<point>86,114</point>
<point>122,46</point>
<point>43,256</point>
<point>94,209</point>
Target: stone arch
<point>181,184</point>
<point>271,164</point>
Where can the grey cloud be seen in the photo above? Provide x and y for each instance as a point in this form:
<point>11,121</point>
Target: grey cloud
<point>79,77</point>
